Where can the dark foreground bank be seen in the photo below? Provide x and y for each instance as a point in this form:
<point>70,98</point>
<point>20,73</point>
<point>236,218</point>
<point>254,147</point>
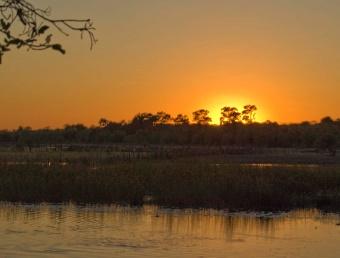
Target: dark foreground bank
<point>175,183</point>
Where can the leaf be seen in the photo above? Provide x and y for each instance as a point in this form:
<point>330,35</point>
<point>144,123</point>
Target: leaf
<point>34,32</point>
<point>59,48</point>
<point>43,29</point>
<point>14,42</point>
<point>21,17</point>
<point>5,25</point>
<point>2,23</point>
<point>48,39</point>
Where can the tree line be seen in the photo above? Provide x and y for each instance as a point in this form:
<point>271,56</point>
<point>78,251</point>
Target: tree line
<point>235,129</point>
<point>229,115</point>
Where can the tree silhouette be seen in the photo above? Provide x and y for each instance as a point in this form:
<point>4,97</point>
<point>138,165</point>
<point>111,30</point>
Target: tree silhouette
<point>24,25</point>
<point>142,120</point>
<point>326,120</point>
<point>144,129</point>
<point>229,115</point>
<point>162,118</point>
<point>201,117</point>
<point>103,122</point>
<point>181,119</point>
<point>248,113</point>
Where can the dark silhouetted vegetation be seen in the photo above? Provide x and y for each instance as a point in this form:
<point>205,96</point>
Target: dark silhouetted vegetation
<point>176,163</point>
<point>175,183</point>
<point>238,129</point>
<point>201,117</point>
<point>22,25</point>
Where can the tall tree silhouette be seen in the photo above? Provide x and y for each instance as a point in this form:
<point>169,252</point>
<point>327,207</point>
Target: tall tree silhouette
<point>229,115</point>
<point>24,25</point>
<point>143,120</point>
<point>162,118</point>
<point>181,119</point>
<point>201,117</point>
<point>249,113</point>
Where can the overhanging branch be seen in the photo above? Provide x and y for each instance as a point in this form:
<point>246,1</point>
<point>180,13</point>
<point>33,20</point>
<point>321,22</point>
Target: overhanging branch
<point>34,23</point>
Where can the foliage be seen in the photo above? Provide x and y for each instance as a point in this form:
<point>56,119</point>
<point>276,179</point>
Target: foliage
<point>229,115</point>
<point>181,119</point>
<point>201,117</point>
<point>248,114</point>
<point>162,118</point>
<point>175,183</point>
<point>22,25</point>
<point>161,128</point>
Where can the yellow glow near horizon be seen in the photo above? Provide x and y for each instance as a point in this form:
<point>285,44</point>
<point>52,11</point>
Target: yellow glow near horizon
<point>217,104</point>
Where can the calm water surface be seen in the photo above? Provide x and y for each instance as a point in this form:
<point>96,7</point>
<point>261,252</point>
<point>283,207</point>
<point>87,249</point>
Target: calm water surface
<point>111,231</point>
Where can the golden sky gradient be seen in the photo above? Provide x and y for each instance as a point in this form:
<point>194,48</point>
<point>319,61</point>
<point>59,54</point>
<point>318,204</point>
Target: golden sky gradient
<point>179,56</point>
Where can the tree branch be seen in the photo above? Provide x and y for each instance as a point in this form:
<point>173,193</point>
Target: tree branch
<point>35,22</point>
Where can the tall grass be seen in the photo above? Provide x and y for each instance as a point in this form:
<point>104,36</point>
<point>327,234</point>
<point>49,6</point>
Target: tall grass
<point>109,154</point>
<point>42,183</point>
<point>240,187</point>
<point>175,183</point>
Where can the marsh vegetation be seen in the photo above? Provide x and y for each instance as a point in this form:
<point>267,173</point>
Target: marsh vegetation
<point>208,182</point>
<point>239,165</point>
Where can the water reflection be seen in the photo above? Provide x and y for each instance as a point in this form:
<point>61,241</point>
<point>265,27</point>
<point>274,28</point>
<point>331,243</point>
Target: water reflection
<point>107,231</point>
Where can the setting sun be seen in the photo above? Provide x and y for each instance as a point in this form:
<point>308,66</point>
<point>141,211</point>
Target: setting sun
<point>174,128</point>
<point>218,103</point>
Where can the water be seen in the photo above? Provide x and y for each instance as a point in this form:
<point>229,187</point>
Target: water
<point>111,231</point>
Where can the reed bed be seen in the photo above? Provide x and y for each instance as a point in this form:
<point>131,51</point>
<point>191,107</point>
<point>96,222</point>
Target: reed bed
<point>116,154</point>
<point>198,183</point>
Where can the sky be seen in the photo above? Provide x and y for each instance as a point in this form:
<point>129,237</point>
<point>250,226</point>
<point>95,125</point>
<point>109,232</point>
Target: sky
<point>179,56</point>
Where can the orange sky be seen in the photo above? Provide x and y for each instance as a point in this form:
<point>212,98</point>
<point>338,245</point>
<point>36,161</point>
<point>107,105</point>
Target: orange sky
<point>179,56</point>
